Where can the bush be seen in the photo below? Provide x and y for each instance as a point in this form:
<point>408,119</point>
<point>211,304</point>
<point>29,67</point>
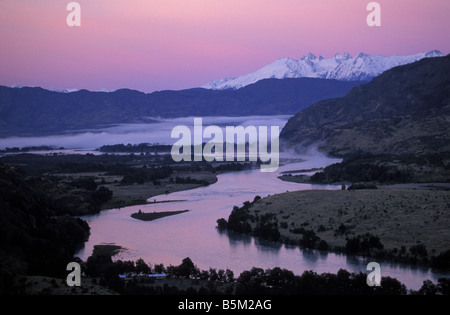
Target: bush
<point>222,223</point>
<point>284,225</point>
<point>309,239</point>
<point>267,230</point>
<point>442,261</point>
<point>362,186</point>
<point>101,196</point>
<point>323,245</point>
<point>418,250</point>
<point>363,244</point>
<point>361,167</point>
<point>87,183</point>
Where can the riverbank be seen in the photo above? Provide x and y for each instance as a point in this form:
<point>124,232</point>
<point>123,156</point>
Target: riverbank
<point>401,224</point>
<point>140,194</point>
<point>130,278</point>
<point>84,184</point>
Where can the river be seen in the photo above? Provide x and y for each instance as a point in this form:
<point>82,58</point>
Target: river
<point>194,234</point>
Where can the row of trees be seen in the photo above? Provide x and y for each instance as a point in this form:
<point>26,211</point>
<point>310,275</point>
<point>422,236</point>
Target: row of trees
<point>310,239</point>
<point>189,180</point>
<point>257,281</point>
<point>266,226</point>
<point>366,244</point>
<point>362,167</point>
<point>282,281</point>
<point>101,265</point>
<point>141,175</point>
<point>136,148</point>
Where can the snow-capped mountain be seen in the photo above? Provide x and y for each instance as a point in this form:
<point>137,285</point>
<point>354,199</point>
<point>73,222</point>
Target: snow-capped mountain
<point>340,67</point>
<point>64,91</point>
<point>104,90</point>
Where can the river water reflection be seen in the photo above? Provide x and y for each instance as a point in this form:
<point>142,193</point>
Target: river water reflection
<point>194,234</point>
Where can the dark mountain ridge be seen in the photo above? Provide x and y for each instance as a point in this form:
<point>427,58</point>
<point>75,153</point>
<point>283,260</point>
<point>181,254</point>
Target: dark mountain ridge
<point>35,111</point>
<point>405,110</point>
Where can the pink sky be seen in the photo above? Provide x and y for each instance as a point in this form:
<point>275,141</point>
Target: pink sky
<point>177,44</point>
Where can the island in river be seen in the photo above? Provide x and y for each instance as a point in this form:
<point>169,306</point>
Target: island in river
<point>150,216</point>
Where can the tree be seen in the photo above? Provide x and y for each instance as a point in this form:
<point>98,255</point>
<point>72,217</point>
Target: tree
<point>363,244</point>
<point>444,286</point>
<point>257,198</point>
<point>392,286</point>
<point>251,282</point>
<point>309,239</point>
<point>101,196</point>
<point>229,276</point>
<point>186,268</point>
<point>213,275</point>
<point>428,288</point>
<point>279,278</point>
<point>97,265</point>
<point>419,250</point>
<point>221,275</point>
<point>323,245</point>
<point>442,261</point>
<point>204,275</point>
<point>142,267</point>
<point>222,223</point>
<point>159,268</point>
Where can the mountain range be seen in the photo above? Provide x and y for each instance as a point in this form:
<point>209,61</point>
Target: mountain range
<point>347,113</point>
<point>405,110</point>
<point>28,111</point>
<point>340,67</point>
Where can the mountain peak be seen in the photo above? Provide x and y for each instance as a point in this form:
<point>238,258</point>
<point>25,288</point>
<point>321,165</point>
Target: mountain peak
<point>342,67</point>
<point>309,56</point>
<point>105,90</point>
<point>362,55</point>
<point>403,111</point>
<point>343,57</point>
<point>64,90</point>
<point>434,53</point>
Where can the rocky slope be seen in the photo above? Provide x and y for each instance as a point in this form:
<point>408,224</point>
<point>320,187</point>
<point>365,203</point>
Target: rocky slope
<point>405,110</point>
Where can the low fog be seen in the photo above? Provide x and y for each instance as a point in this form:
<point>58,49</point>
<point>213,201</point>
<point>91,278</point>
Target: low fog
<point>158,131</point>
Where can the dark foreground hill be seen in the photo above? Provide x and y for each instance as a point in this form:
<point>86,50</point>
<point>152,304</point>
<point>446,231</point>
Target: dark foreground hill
<point>35,111</point>
<point>405,110</point>
<point>34,240</point>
